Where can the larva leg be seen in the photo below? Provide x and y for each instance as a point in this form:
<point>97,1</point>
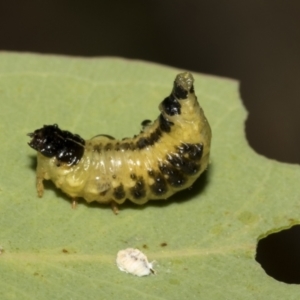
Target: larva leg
<point>74,203</point>
<point>114,207</point>
<point>40,186</point>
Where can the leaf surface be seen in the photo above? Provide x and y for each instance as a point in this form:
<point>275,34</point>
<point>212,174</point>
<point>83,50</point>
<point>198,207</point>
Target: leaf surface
<point>203,240</point>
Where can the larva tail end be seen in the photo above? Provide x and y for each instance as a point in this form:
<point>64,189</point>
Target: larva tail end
<point>184,84</point>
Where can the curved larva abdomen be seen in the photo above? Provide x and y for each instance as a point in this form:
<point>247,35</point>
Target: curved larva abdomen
<point>167,157</point>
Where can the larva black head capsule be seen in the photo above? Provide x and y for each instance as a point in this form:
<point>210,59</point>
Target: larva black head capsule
<point>52,141</point>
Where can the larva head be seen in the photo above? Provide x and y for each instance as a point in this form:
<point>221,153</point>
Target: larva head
<point>52,141</point>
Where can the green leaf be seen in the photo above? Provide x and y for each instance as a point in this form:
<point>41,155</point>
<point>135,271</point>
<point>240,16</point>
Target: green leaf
<point>54,252</point>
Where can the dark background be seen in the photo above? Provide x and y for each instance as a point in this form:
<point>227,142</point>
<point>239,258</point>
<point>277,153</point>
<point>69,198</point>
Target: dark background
<point>254,41</point>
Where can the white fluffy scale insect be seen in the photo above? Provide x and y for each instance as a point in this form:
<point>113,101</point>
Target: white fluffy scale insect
<point>166,157</point>
<point>135,262</point>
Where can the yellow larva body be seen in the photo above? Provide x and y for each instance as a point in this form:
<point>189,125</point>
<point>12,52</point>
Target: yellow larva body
<point>168,156</point>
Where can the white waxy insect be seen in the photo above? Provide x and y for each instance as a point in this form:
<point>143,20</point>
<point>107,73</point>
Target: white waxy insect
<point>135,262</point>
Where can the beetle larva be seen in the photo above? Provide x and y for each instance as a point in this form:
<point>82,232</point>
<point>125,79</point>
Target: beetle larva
<point>166,157</point>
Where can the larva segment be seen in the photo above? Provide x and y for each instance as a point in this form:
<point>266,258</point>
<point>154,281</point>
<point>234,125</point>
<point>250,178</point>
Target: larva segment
<point>167,156</point>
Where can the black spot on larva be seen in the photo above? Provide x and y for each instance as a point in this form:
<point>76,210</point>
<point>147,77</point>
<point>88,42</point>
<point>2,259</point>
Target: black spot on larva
<point>117,146</point>
<point>189,167</point>
<point>119,192</point>
<point>159,187</point>
<point>176,179</point>
<point>108,147</point>
<point>164,124</point>
<point>143,142</point>
<point>175,160</point>
<point>171,106</point>
<point>179,92</point>
<point>150,140</point>
<point>146,123</point>
<point>192,90</point>
<point>151,173</point>
<point>133,176</point>
<point>194,151</point>
<point>126,146</point>
<point>185,165</point>
<point>114,176</point>
<point>164,168</point>
<point>52,141</point>
<point>173,176</point>
<point>155,136</point>
<point>103,193</point>
<point>139,190</point>
<point>97,148</point>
